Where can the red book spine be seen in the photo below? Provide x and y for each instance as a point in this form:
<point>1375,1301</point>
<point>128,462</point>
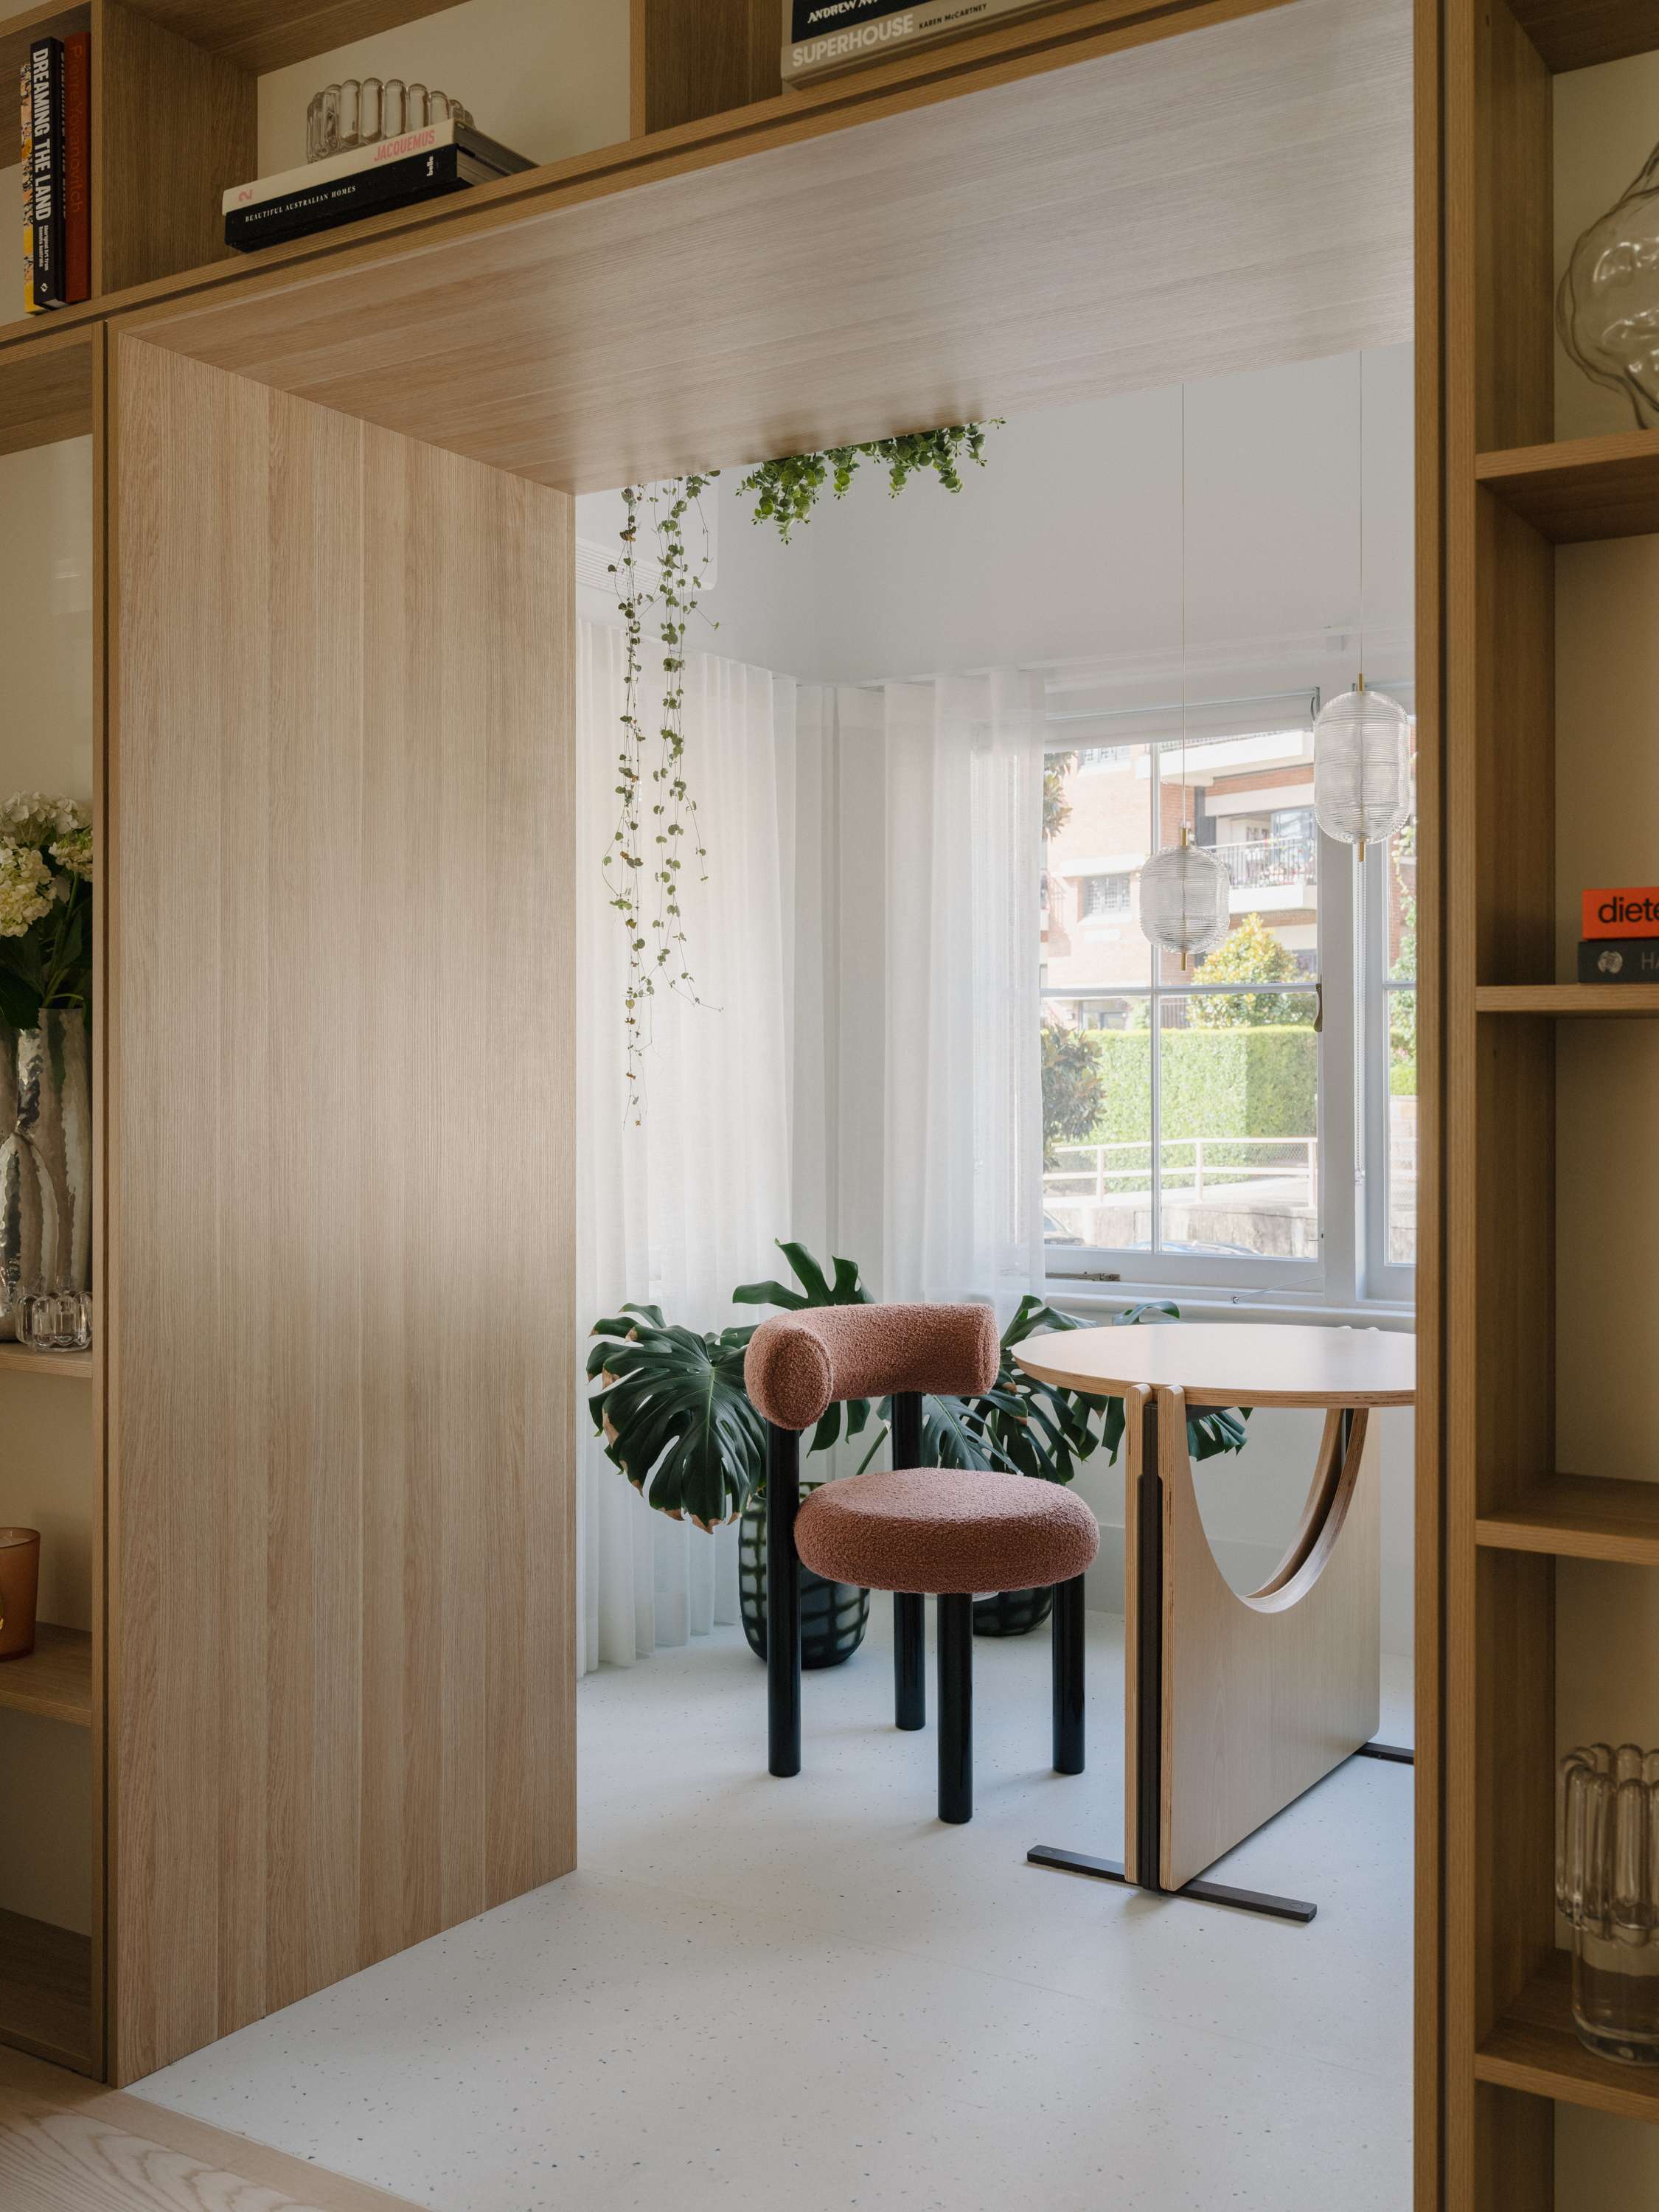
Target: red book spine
<point>77,166</point>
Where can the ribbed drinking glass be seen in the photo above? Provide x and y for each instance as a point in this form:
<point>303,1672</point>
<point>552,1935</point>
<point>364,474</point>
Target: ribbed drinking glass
<point>1607,1884</point>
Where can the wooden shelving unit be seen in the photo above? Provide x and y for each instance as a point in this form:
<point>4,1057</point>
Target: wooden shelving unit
<point>1512,494</point>
<point>55,1680</point>
<point>51,1995</point>
<point>156,187</point>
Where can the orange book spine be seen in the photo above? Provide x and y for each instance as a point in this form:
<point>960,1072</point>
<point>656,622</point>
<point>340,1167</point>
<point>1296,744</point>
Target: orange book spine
<point>1631,910</point>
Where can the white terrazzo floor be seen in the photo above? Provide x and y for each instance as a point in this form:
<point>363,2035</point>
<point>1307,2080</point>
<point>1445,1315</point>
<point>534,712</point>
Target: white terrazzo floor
<point>809,1995</point>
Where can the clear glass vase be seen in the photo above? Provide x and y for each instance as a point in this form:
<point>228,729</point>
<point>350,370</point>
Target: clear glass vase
<point>1607,307</point>
<point>1607,1884</point>
<point>45,1160</point>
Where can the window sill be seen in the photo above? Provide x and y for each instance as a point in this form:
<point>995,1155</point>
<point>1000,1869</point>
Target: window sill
<point>1228,1305</point>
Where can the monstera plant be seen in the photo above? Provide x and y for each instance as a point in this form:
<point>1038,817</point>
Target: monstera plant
<point>677,1419</point>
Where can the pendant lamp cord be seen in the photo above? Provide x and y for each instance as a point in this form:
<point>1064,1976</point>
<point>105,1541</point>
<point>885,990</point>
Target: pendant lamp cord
<point>1360,686</point>
<point>1185,917</point>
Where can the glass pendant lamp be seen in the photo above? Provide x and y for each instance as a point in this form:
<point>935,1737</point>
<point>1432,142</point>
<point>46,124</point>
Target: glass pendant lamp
<point>1362,741</point>
<point>1361,767</point>
<point>1185,892</point>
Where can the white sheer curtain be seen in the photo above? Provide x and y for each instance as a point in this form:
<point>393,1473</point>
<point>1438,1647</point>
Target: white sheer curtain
<point>926,800</point>
<point>964,1081</point>
<point>678,1212</point>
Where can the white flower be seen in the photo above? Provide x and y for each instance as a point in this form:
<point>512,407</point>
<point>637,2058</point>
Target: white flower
<point>73,850</point>
<point>29,818</point>
<point>26,889</point>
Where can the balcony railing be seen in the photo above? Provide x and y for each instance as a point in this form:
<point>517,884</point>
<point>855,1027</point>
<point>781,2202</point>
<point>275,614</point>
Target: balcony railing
<point>1269,863</point>
<point>1191,1169</point>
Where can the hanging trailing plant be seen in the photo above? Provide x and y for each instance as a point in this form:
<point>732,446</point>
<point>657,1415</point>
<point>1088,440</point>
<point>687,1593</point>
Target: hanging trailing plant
<point>787,490</point>
<point>660,580</point>
<point>657,813</point>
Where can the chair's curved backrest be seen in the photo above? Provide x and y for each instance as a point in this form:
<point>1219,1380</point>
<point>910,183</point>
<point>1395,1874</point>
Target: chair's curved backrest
<point>799,1364</point>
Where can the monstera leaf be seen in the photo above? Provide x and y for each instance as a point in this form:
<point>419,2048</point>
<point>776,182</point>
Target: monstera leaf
<point>815,1290</point>
<point>675,1416</point>
<point>1039,1429</point>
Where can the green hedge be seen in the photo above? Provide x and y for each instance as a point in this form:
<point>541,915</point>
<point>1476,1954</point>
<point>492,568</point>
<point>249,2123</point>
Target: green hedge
<point>1216,1083</point>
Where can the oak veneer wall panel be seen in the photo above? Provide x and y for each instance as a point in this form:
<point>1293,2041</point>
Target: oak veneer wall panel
<point>343,1708</point>
<point>174,127</point>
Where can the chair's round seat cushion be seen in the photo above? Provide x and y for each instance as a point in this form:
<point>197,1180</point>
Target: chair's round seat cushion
<point>945,1529</point>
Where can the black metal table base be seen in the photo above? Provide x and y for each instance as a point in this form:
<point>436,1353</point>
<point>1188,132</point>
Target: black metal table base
<point>1398,1754</point>
<point>1195,1893</point>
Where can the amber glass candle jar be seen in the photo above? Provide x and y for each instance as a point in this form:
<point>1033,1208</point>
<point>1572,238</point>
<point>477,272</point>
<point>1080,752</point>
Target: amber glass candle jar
<point>20,1579</point>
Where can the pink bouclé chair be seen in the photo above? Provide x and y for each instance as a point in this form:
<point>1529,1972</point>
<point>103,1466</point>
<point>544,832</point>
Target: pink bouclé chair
<point>918,1531</point>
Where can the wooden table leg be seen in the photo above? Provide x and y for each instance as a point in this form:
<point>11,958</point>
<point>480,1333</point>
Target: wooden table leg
<point>1263,1695</point>
<point>1186,1722</point>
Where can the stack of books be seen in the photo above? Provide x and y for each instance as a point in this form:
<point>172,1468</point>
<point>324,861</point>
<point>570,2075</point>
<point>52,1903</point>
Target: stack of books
<point>391,172</point>
<point>1620,942</point>
<point>55,92</point>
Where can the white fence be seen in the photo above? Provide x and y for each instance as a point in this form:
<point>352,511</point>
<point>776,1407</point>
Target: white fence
<point>1190,1168</point>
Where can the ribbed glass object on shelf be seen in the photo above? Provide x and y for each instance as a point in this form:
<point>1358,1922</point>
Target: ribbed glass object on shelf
<point>361,111</point>
<point>1607,1884</point>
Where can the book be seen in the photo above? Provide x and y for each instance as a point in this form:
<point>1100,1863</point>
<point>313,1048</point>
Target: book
<point>1619,960</point>
<point>381,154</point>
<point>371,192</point>
<point>1628,911</point>
<point>77,166</point>
<point>827,35</point>
<point>46,169</point>
<point>26,104</point>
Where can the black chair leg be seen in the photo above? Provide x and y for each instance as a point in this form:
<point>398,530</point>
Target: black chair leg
<point>1068,1676</point>
<point>782,1601</point>
<point>955,1709</point>
<point>910,1660</point>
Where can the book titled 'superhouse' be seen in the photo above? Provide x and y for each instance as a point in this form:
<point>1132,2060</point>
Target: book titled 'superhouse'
<point>827,35</point>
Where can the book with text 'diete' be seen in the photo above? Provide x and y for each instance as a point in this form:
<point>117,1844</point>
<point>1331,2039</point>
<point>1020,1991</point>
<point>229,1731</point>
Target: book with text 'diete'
<point>419,165</point>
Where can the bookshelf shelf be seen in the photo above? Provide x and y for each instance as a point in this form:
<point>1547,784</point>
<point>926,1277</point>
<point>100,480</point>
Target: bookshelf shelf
<point>69,1366</point>
<point>1533,2049</point>
<point>1572,34</point>
<point>55,1681</point>
<point>1565,1001</point>
<point>1581,489</point>
<point>46,1991</point>
<point>261,35</point>
<point>1579,1516</point>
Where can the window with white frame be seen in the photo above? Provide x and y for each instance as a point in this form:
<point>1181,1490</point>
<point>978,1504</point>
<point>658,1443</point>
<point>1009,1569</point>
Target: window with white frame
<point>1246,1122</point>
